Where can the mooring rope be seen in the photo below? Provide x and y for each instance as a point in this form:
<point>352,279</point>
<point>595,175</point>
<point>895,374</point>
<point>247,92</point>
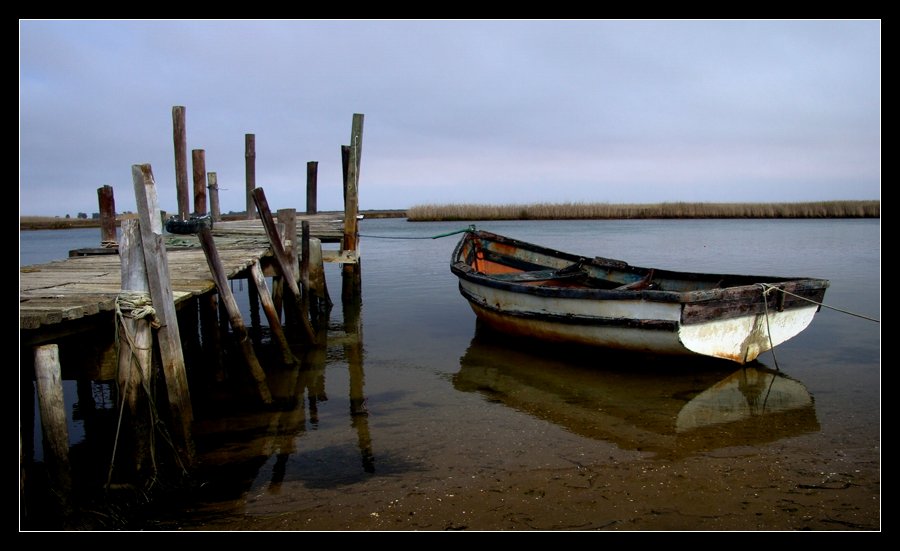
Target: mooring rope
<point>765,291</point>
<point>767,286</point>
<point>438,236</point>
<point>137,305</point>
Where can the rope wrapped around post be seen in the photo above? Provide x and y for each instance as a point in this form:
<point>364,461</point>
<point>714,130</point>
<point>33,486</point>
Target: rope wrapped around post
<point>136,305</point>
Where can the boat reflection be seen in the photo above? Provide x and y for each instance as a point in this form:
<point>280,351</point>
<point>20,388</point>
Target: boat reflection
<point>668,407</point>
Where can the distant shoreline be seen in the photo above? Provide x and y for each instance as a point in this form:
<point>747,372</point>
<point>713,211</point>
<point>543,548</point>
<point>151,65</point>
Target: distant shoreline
<point>559,211</point>
<point>27,223</point>
<point>608,211</point>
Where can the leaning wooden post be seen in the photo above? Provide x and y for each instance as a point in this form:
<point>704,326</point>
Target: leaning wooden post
<point>312,177</point>
<point>53,416</point>
<point>214,197</point>
<point>234,313</point>
<point>283,261</point>
<point>135,346</point>
<point>250,171</point>
<point>198,158</point>
<point>304,264</point>
<point>169,338</point>
<point>179,136</point>
<point>107,216</point>
<point>269,308</point>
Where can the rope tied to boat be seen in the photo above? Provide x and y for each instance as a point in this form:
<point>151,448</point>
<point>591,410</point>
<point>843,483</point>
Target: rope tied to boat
<point>766,289</point>
<point>771,287</point>
<point>470,228</point>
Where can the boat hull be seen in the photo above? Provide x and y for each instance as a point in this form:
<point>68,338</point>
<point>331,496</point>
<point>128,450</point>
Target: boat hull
<point>694,314</point>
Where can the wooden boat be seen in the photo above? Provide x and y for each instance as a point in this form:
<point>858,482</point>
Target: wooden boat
<point>533,291</point>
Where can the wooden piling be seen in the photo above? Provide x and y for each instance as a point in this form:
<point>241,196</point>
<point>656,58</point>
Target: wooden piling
<point>107,216</point>
<point>250,172</point>
<point>234,314</point>
<point>288,219</point>
<point>312,177</point>
<point>253,305</point>
<point>168,336</point>
<point>209,331</point>
<point>351,272</point>
<point>345,163</point>
<point>283,261</point>
<point>351,203</point>
<point>269,308</point>
<point>198,159</point>
<point>135,353</point>
<point>53,417</point>
<point>179,136</point>
<point>317,286</point>
<point>214,197</point>
<point>304,264</point>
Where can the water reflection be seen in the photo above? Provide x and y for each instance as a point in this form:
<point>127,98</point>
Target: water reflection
<point>669,407</point>
<point>257,450</point>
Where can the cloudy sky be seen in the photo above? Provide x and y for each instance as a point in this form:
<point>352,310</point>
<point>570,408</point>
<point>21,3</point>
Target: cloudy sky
<point>456,111</point>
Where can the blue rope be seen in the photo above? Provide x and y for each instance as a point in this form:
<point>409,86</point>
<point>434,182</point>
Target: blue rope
<point>438,236</point>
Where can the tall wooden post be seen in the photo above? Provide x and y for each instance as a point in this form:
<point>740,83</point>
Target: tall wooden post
<point>288,219</point>
<point>304,264</point>
<point>312,177</point>
<point>317,285</point>
<point>198,158</point>
<point>352,281</point>
<point>250,172</point>
<point>179,136</point>
<point>345,163</point>
<point>53,416</point>
<point>107,216</point>
<point>135,352</point>
<point>213,186</point>
<point>157,263</point>
<point>234,314</point>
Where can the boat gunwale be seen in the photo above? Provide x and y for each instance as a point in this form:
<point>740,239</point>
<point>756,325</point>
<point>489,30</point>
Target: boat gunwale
<point>814,288</point>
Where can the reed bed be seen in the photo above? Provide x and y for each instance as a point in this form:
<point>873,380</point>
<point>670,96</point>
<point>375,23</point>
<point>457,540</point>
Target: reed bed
<point>607,211</point>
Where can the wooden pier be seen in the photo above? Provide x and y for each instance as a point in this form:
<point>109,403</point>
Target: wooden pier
<point>55,293</point>
<point>188,274</point>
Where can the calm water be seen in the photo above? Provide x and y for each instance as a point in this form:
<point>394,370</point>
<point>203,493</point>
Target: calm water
<point>444,401</point>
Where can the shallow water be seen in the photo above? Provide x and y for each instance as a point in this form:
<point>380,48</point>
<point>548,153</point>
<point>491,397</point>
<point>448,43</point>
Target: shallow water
<point>426,399</point>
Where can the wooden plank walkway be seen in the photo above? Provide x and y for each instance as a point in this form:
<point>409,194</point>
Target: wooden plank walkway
<point>82,286</point>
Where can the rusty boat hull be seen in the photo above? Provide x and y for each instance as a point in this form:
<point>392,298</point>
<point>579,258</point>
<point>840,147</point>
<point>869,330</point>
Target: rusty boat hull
<point>532,291</point>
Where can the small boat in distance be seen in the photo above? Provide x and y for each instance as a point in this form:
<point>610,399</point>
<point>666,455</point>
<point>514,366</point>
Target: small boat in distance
<point>532,291</point>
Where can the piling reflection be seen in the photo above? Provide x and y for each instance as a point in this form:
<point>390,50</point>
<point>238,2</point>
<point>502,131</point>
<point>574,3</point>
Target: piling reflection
<point>669,407</point>
<point>255,451</point>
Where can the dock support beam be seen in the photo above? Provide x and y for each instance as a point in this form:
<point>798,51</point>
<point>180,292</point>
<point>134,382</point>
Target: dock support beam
<point>312,177</point>
<point>214,197</point>
<point>107,203</point>
<point>169,338</point>
<point>53,417</point>
<point>250,172</point>
<point>198,159</point>
<point>135,353</point>
<point>352,281</point>
<point>179,137</point>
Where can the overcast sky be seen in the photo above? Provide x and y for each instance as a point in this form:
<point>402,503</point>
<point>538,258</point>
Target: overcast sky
<point>456,111</point>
